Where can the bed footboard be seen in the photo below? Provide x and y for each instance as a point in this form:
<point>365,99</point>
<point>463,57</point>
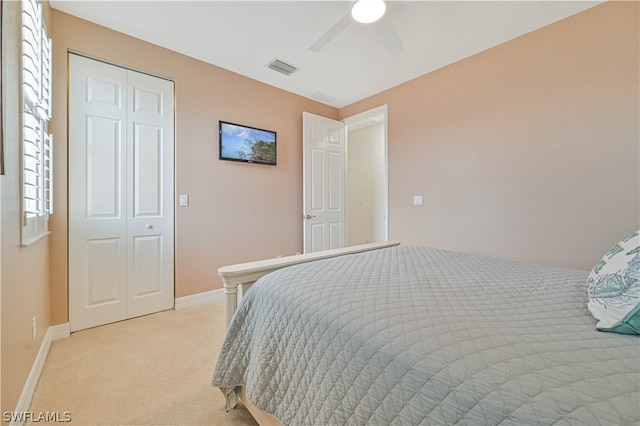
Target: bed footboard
<point>238,278</point>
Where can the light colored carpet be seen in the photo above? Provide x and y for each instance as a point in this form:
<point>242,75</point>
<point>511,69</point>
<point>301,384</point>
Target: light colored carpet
<point>152,370</point>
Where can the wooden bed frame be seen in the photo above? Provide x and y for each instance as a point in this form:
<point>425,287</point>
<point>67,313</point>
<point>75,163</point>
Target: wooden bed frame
<point>238,278</point>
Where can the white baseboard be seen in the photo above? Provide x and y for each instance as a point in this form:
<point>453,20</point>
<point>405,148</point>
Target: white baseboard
<point>58,332</point>
<point>199,299</point>
<point>55,332</point>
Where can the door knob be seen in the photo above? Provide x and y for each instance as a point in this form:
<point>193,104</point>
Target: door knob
<point>149,226</point>
<point>310,216</point>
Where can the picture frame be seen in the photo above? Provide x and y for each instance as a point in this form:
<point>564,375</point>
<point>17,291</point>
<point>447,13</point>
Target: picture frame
<point>247,144</point>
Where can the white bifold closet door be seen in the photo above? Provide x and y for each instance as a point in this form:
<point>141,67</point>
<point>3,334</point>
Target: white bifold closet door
<point>121,209</point>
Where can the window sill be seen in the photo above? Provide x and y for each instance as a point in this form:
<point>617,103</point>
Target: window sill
<point>34,239</point>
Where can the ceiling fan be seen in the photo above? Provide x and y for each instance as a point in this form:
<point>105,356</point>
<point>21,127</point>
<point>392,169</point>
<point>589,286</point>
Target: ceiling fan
<point>366,12</point>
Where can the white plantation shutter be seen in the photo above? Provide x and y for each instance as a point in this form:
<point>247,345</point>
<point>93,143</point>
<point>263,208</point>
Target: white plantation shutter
<point>31,51</point>
<point>37,144</point>
<point>45,79</point>
<point>31,165</point>
<point>47,175</point>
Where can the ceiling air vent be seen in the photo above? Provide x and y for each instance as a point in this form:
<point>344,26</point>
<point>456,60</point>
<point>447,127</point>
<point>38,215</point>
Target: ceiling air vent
<point>282,67</point>
<point>322,97</point>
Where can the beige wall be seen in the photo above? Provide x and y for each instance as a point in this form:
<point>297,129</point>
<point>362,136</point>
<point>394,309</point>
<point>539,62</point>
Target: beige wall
<point>527,151</point>
<point>25,270</point>
<point>238,212</point>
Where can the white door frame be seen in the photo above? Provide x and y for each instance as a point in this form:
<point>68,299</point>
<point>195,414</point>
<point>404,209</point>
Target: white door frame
<point>375,115</point>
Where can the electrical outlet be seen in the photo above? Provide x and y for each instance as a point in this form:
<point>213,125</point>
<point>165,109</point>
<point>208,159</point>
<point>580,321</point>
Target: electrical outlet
<point>34,327</point>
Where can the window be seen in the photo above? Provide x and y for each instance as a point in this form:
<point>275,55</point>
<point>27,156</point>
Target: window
<point>37,143</point>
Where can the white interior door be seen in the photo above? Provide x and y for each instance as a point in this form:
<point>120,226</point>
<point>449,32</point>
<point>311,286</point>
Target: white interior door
<point>150,263</point>
<point>323,183</point>
<point>121,260</point>
<point>97,197</point>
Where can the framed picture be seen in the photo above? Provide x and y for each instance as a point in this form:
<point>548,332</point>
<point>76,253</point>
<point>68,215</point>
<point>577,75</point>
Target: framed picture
<point>247,144</point>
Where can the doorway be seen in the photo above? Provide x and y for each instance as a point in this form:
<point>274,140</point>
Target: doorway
<point>345,195</point>
<point>366,177</point>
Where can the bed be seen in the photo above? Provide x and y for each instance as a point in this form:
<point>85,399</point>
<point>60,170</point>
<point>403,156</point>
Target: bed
<point>414,335</point>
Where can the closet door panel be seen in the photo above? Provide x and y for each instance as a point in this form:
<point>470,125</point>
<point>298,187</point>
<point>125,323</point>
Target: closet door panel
<point>97,195</point>
<point>103,178</point>
<point>150,239</point>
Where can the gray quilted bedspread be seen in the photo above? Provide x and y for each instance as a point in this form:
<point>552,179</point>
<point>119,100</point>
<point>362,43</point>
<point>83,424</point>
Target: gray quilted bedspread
<point>411,335</point>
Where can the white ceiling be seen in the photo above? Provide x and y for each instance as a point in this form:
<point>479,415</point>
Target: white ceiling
<point>245,36</point>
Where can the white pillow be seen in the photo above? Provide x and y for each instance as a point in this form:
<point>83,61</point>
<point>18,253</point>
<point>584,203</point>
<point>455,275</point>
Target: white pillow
<point>613,288</point>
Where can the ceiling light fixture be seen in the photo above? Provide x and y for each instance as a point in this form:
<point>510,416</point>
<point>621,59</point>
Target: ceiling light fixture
<point>368,11</point>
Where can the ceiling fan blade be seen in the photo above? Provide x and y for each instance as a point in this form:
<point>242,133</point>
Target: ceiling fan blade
<point>388,36</point>
<point>331,33</point>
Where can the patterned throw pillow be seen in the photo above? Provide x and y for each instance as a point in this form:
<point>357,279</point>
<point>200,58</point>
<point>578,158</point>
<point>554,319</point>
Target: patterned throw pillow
<point>613,288</point>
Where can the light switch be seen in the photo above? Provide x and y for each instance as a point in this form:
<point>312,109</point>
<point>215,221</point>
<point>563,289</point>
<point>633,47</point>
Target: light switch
<point>184,199</point>
<point>417,200</point>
